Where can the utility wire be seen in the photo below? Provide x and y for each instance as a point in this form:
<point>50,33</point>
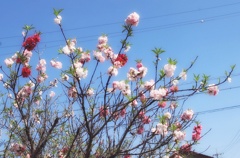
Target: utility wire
<point>143,30</point>
<point>148,18</point>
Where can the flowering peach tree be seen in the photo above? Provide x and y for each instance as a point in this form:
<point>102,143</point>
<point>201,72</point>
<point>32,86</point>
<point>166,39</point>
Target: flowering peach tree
<point>96,114</point>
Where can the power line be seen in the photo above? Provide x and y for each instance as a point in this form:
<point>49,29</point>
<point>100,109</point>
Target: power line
<point>147,29</point>
<point>148,18</point>
<point>218,110</point>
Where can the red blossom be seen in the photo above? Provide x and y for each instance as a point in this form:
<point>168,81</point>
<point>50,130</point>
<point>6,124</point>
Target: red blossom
<point>185,148</point>
<point>18,60</point>
<point>122,58</point>
<point>26,71</point>
<point>103,111</point>
<point>31,42</point>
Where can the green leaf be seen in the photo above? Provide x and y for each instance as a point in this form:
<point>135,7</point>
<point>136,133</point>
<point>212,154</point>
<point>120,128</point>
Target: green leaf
<point>162,73</point>
<point>28,27</point>
<point>172,61</point>
<point>57,12</point>
<point>173,127</point>
<point>158,51</point>
<point>233,66</point>
<point>196,78</point>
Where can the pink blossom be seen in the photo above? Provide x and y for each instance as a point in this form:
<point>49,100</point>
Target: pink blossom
<point>101,47</point>
<point>115,84</point>
<point>115,115</point>
<point>8,62</point>
<point>183,75</point>
<point>27,53</point>
<point>81,72</point>
<point>90,91</point>
<point>139,64</point>
<point>158,94</point>
<point>17,149</point>
<point>186,147</point>
<point>127,48</point>
<point>23,33</point>
<point>179,135</point>
<point>85,57</point>
<point>123,112</point>
<point>41,65</point>
<point>142,97</point>
<point>132,74</point>
<point>146,120</point>
<point>42,77</point>
<point>122,86</point>
<point>56,64</point>
<point>103,39</point>
<point>24,92</point>
<point>169,70</point>
<point>72,44</point>
<point>175,82</point>
<point>160,129</point>
<point>103,111</point>
<point>142,72</point>
<point>58,19</point>
<point>162,104</point>
<point>134,103</point>
<point>174,89</point>
<point>196,136</point>
<point>52,94</point>
<point>132,19</point>
<point>229,79</point>
<point>1,77</point>
<point>149,85</point>
<point>98,55</point>
<point>77,64</point>
<point>187,115</point>
<point>54,83</point>
<point>72,92</point>
<point>15,56</point>
<point>140,130</point>
<point>173,105</point>
<point>108,52</point>
<point>198,129</point>
<point>112,71</point>
<point>141,114</point>
<point>65,77</point>
<point>167,115</point>
<point>66,50</point>
<point>213,89</point>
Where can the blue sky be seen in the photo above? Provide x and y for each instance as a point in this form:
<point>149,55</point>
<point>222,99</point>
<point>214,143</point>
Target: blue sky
<point>185,29</point>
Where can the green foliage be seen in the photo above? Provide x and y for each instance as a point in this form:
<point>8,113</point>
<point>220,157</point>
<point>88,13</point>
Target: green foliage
<point>158,51</point>
<point>57,12</point>
<point>28,27</point>
<point>172,61</point>
<point>196,78</point>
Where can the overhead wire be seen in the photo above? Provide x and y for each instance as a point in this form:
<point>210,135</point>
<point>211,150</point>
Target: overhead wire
<point>147,29</point>
<point>147,18</point>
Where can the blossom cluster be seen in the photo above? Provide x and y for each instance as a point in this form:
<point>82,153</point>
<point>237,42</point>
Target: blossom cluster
<point>17,149</point>
<point>31,42</point>
<point>62,153</point>
<point>146,91</point>
<point>197,133</point>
